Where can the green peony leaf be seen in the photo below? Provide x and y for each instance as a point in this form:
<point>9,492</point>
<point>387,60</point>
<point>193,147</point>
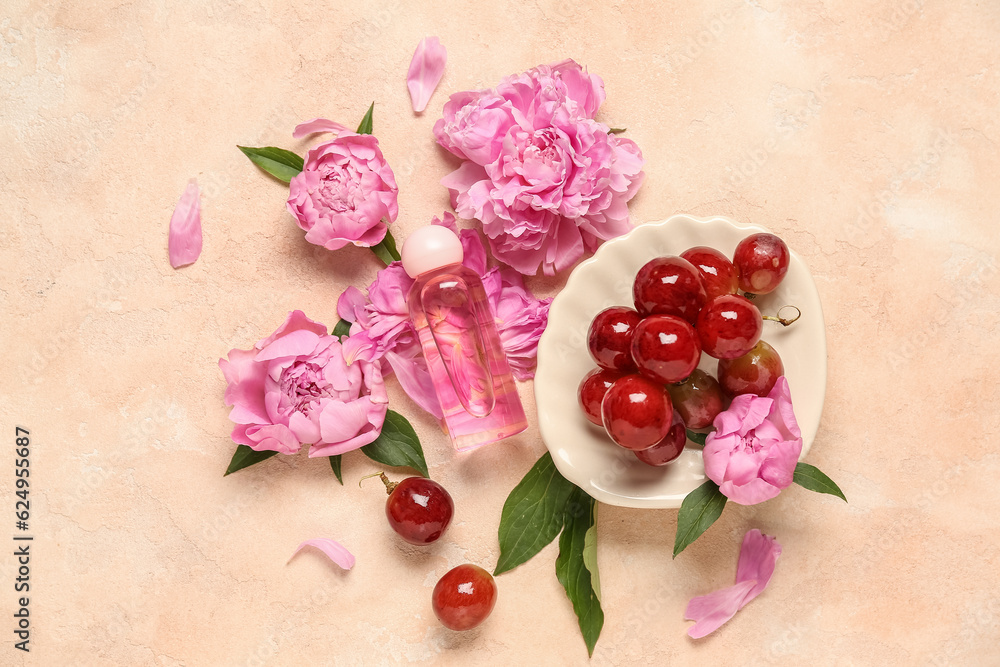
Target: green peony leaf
<point>386,249</point>
<point>812,478</point>
<point>366,123</point>
<point>616,130</point>
<point>590,559</point>
<point>397,445</point>
<point>697,438</point>
<point>342,329</point>
<point>532,515</point>
<point>335,464</point>
<point>282,164</point>
<point>699,510</point>
<point>244,457</point>
<point>578,578</point>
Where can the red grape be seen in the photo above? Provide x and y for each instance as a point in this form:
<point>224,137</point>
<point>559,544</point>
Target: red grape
<point>464,597</point>
<point>762,260</point>
<point>666,450</point>
<point>610,338</point>
<point>636,412</point>
<point>698,399</point>
<point>729,326</point>
<point>753,373</point>
<point>718,274</point>
<point>418,509</point>
<point>669,286</point>
<point>665,348</point>
<point>592,390</point>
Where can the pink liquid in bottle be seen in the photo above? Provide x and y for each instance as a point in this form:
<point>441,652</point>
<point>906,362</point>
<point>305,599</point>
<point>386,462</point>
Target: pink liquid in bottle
<point>458,334</point>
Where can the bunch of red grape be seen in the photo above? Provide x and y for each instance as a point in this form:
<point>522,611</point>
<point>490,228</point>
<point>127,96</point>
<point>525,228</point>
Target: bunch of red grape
<point>648,388</point>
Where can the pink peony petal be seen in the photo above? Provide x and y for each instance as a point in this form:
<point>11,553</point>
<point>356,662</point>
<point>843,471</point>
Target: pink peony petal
<point>425,72</point>
<point>317,125</point>
<point>753,492</point>
<point>349,303</point>
<point>779,466</point>
<point>300,342</point>
<point>333,549</point>
<point>711,611</point>
<point>758,555</point>
<point>184,241</point>
<point>781,412</point>
<point>416,381</point>
<point>344,425</point>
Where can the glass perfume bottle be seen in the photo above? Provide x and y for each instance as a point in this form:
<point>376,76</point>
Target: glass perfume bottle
<point>458,335</point>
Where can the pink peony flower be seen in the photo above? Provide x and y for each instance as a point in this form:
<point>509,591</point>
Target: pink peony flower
<point>382,330</point>
<point>546,180</point>
<point>346,192</point>
<point>756,444</point>
<point>295,387</point>
<point>758,556</point>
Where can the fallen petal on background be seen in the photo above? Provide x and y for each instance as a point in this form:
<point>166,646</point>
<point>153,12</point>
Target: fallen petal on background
<point>317,125</point>
<point>426,70</point>
<point>758,554</point>
<point>711,611</point>
<point>184,240</point>
<point>332,549</point>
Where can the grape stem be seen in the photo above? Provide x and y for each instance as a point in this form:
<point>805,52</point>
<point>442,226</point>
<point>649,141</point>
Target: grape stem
<point>784,320</point>
<point>389,486</point>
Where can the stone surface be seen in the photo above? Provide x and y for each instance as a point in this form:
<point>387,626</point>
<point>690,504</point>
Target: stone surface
<point>865,135</point>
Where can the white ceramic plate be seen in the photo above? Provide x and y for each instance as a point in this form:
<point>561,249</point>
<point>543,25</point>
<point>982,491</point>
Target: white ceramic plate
<point>582,452</point>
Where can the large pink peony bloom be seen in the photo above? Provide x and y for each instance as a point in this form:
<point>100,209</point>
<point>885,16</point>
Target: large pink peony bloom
<point>546,180</point>
<point>756,444</point>
<point>382,330</point>
<point>346,192</point>
<point>295,387</point>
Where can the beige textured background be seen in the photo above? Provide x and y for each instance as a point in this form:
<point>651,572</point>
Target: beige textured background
<point>866,135</point>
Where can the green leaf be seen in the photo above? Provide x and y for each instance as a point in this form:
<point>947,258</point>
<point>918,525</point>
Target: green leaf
<point>366,123</point>
<point>342,329</point>
<point>397,445</point>
<point>246,457</point>
<point>386,249</point>
<point>278,162</point>
<point>572,570</point>
<point>697,438</point>
<point>812,478</point>
<point>616,130</point>
<point>590,558</point>
<point>533,514</point>
<point>699,510</point>
<point>335,464</point>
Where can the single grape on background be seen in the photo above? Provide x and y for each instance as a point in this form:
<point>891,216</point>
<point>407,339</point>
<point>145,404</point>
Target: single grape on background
<point>418,509</point>
<point>464,597</point>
